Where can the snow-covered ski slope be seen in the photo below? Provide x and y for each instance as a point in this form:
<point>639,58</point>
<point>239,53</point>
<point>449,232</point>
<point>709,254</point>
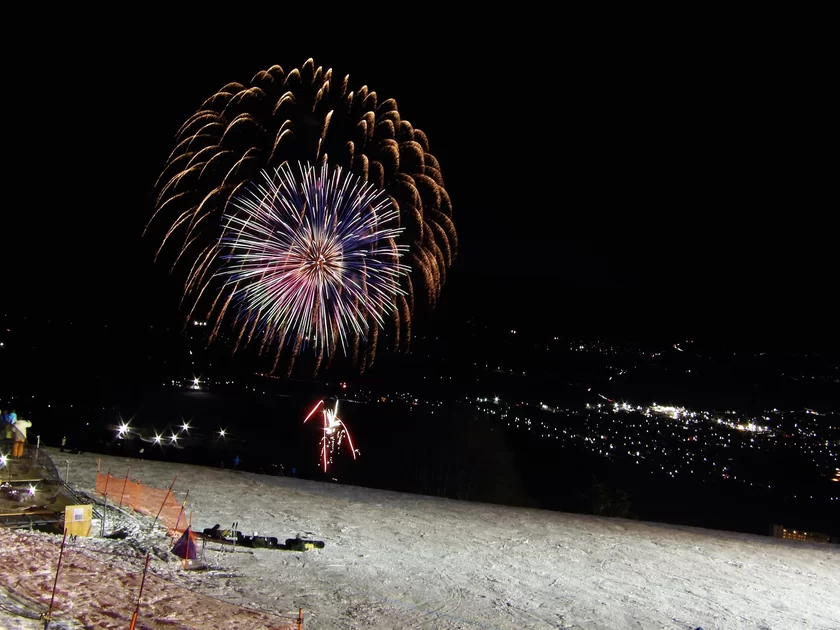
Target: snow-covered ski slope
<point>406,561</point>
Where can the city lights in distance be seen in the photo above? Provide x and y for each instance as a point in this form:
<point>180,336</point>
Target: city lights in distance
<point>664,410</point>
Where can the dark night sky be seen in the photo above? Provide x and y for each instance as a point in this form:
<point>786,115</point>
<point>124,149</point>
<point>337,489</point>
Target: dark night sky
<point>611,188</point>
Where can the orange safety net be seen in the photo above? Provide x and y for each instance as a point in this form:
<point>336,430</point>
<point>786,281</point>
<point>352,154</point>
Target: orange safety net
<point>143,499</point>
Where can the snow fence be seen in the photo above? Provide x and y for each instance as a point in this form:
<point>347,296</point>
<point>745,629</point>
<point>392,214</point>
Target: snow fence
<point>155,502</point>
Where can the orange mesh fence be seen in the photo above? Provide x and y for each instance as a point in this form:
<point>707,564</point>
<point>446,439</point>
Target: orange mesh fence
<point>143,499</point>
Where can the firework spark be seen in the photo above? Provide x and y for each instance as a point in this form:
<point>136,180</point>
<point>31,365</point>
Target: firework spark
<point>308,115</point>
<point>334,433</point>
<point>312,260</point>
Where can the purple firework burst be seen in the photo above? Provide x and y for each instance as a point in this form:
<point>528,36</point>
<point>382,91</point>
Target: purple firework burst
<point>310,257</point>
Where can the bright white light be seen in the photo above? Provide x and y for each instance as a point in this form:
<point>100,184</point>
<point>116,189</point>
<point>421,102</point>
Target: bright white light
<point>222,432</point>
<point>174,438</point>
<point>186,426</point>
<point>332,420</point>
<point>2,460</point>
<point>157,438</point>
<point>672,412</point>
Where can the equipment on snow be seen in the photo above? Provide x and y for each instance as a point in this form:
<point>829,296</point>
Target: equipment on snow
<point>235,537</point>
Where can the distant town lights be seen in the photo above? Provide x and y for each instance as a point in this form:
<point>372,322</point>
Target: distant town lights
<point>672,412</point>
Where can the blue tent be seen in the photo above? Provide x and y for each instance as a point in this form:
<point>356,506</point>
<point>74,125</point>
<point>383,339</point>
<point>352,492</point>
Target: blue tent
<point>185,547</point>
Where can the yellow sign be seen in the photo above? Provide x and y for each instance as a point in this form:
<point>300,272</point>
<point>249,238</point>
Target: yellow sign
<point>77,520</point>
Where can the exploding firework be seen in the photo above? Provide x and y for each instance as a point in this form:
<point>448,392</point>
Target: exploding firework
<point>312,260</point>
<point>334,433</point>
<point>307,115</point>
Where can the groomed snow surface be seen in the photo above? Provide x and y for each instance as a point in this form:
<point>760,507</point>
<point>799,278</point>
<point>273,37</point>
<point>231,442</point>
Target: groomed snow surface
<point>406,561</point>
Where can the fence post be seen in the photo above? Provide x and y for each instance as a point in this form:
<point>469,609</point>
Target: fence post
<point>107,479</point>
<point>186,556</point>
<point>168,492</point>
<point>127,470</point>
<point>105,494</point>
<point>183,511</point>
<point>55,582</point>
<point>137,609</point>
<point>104,515</point>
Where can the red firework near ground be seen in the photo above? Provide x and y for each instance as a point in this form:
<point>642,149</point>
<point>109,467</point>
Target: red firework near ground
<point>334,432</point>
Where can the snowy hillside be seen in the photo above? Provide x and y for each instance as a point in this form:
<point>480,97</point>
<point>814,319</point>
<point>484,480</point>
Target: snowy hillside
<point>405,561</point>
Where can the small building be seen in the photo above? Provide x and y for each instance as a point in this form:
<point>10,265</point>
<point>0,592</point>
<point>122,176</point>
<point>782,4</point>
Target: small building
<point>797,534</point>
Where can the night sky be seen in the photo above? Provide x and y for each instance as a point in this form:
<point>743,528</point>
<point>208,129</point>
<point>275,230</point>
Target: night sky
<point>603,190</point>
<point>630,188</point>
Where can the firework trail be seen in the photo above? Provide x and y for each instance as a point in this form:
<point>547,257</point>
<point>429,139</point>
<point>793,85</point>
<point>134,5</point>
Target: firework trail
<point>311,259</point>
<point>334,433</point>
<point>309,115</point>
